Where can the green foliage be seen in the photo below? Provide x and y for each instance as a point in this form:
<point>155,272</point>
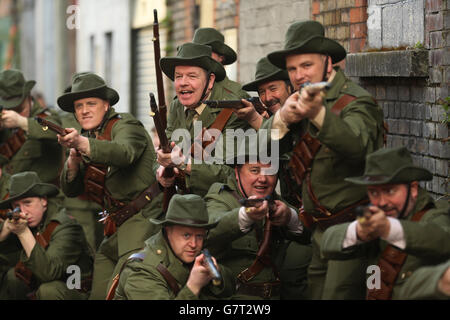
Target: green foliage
<point>445,105</point>
<point>419,45</point>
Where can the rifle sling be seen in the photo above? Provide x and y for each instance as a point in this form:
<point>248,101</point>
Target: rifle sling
<point>171,281</point>
<point>391,262</point>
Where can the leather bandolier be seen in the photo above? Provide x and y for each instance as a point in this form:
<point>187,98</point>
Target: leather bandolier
<point>20,270</point>
<point>13,144</point>
<point>263,259</point>
<point>390,263</point>
<point>300,168</point>
<point>95,190</point>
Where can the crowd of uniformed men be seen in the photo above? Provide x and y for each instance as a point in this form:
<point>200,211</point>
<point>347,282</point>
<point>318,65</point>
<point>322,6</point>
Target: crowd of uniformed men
<point>85,211</point>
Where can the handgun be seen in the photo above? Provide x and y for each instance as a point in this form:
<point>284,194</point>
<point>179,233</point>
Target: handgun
<point>50,125</point>
<point>217,277</point>
<point>363,213</point>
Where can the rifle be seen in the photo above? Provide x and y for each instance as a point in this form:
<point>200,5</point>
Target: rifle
<point>165,147</point>
<point>11,215</point>
<point>245,202</point>
<point>314,88</point>
<point>158,73</point>
<point>237,104</point>
<point>217,278</point>
<point>50,125</point>
<point>363,213</point>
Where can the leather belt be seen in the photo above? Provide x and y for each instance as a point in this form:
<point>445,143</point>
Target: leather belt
<point>264,290</point>
<point>122,214</point>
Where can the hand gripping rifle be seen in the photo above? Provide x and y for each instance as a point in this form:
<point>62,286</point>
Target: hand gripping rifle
<point>237,104</point>
<point>11,214</point>
<point>158,73</point>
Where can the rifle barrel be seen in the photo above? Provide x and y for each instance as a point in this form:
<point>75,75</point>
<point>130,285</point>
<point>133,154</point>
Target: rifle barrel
<point>50,125</point>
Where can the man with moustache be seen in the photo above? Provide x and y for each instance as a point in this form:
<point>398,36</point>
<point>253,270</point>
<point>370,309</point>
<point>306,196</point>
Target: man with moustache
<point>223,54</point>
<point>403,229</point>
<point>195,74</point>
<point>335,131</point>
<point>171,266</point>
<point>280,272</point>
<point>111,162</point>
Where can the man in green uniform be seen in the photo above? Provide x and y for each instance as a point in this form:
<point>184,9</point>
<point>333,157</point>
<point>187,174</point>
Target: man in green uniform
<point>403,229</point>
<point>24,145</point>
<point>338,128</point>
<point>223,54</point>
<point>431,282</point>
<point>175,252</point>
<point>111,160</point>
<point>278,270</point>
<point>51,243</point>
<point>195,74</point>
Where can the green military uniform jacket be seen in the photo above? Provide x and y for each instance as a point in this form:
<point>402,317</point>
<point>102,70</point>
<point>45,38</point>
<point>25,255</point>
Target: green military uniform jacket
<point>233,248</point>
<point>130,158</point>
<point>427,241</point>
<point>346,140</point>
<point>204,175</point>
<point>40,153</point>
<point>233,87</point>
<point>423,283</point>
<point>140,280</point>
<point>67,246</point>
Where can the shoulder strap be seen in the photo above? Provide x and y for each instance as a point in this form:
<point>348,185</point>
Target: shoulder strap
<point>106,135</point>
<point>391,262</point>
<point>44,238</point>
<point>342,103</point>
<point>169,278</point>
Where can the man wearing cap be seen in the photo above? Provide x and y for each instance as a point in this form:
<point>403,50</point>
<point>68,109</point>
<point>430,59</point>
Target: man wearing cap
<point>195,74</point>
<point>223,54</point>
<point>171,266</point>
<point>337,129</point>
<point>51,242</point>
<point>111,161</point>
<point>279,271</point>
<point>24,146</point>
<point>403,229</point>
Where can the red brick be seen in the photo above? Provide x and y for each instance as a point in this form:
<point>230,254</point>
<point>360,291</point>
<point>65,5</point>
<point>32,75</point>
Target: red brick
<point>358,15</point>
<point>357,45</point>
<point>315,7</point>
<point>358,30</point>
<point>434,22</point>
<point>433,5</point>
<point>345,16</point>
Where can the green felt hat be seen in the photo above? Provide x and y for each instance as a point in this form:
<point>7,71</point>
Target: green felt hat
<point>192,54</point>
<point>187,210</point>
<point>13,88</point>
<point>307,37</point>
<point>87,85</point>
<point>27,184</point>
<point>265,72</point>
<point>390,166</point>
<point>213,38</point>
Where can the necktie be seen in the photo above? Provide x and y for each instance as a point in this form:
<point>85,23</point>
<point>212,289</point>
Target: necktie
<point>190,117</point>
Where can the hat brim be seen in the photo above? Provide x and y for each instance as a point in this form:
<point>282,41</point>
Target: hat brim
<point>402,175</point>
<point>316,44</point>
<point>65,102</point>
<point>224,50</point>
<point>12,103</point>
<point>36,190</point>
<point>168,65</point>
<point>275,76</point>
<point>186,223</point>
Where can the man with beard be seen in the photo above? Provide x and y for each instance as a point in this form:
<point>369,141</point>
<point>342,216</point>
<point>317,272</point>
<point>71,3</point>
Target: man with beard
<point>403,229</point>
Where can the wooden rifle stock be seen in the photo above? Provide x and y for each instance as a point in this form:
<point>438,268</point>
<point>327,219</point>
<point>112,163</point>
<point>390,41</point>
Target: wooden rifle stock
<point>50,125</point>
<point>10,214</point>
<point>165,147</point>
<point>237,104</point>
<point>158,73</point>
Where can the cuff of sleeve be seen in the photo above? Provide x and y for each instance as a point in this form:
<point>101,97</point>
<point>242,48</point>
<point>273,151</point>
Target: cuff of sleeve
<point>279,128</point>
<point>350,236</point>
<point>295,225</point>
<point>319,119</point>
<point>396,235</point>
<point>245,223</point>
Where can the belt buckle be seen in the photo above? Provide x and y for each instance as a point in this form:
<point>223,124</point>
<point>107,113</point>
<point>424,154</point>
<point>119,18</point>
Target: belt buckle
<point>267,291</point>
<point>243,276</point>
<point>103,215</point>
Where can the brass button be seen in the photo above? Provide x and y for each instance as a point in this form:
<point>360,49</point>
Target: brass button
<point>158,251</point>
<point>403,275</point>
